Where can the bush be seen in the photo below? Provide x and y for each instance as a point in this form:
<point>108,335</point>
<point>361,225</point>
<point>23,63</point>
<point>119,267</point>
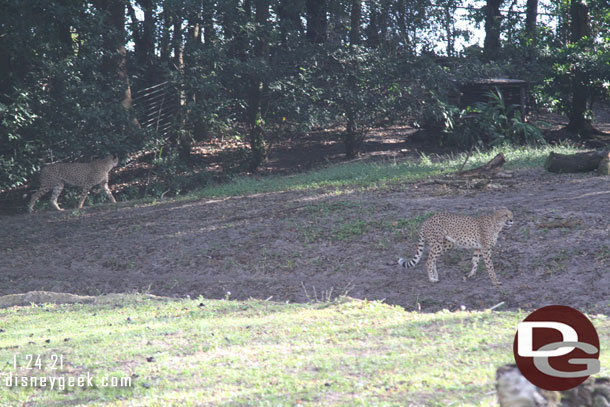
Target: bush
<point>486,124</point>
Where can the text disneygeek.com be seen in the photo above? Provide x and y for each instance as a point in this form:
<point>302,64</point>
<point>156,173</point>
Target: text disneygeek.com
<point>44,371</point>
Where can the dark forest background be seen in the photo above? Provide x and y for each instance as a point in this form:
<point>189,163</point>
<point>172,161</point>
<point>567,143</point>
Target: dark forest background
<point>81,79</point>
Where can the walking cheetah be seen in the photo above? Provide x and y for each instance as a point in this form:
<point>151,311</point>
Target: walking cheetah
<point>444,230</point>
<point>84,175</point>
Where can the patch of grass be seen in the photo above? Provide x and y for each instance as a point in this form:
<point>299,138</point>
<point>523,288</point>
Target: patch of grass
<point>409,228</point>
<point>557,263</point>
<point>350,228</point>
<point>603,255</point>
<point>344,224</point>
<point>379,174</point>
<point>337,220</point>
<point>256,353</point>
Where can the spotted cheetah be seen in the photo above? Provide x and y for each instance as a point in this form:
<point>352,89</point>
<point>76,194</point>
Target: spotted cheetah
<point>444,230</point>
<point>84,175</point>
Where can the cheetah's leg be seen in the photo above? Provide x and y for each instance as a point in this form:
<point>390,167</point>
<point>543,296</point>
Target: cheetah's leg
<point>83,197</point>
<point>36,196</point>
<point>490,266</point>
<point>433,254</point>
<point>475,262</point>
<point>55,194</point>
<point>108,193</point>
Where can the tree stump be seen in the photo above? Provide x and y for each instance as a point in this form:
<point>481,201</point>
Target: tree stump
<point>514,390</point>
<point>579,162</point>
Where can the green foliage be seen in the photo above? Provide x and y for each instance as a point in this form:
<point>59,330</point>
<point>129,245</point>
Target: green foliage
<point>361,91</point>
<point>591,59</point>
<point>54,102</point>
<point>15,162</point>
<point>490,123</point>
<point>504,123</point>
<point>240,77</point>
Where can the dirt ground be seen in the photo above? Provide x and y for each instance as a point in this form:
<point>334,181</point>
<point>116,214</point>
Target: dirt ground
<point>300,246</point>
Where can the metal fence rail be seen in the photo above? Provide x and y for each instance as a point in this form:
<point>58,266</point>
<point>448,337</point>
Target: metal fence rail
<point>156,107</point>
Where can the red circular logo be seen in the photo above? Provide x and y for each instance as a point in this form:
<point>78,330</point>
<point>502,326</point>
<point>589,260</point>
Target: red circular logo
<point>556,348</point>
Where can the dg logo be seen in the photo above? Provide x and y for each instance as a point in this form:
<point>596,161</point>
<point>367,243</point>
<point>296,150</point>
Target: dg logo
<point>556,348</point>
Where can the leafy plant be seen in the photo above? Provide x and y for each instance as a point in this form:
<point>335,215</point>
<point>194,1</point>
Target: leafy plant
<point>489,123</point>
<point>505,122</point>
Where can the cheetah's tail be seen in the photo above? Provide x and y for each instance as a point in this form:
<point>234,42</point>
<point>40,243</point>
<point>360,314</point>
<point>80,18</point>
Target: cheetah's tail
<point>416,258</point>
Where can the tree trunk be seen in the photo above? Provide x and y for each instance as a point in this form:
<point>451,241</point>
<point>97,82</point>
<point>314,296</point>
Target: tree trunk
<point>531,15</point>
<point>192,95</point>
<point>148,31</point>
<point>114,63</point>
<point>64,27</point>
<point>316,20</point>
<point>579,28</point>
<point>352,138</point>
<point>493,19</point>
<point>257,87</point>
<point>145,44</point>
<point>136,33</point>
<point>193,38</point>
<point>356,15</point>
<point>383,18</point>
<point>233,18</point>
<point>579,162</point>
<point>372,30</point>
<point>401,22</point>
<point>164,43</point>
<point>209,32</point>
<point>177,42</point>
<point>449,21</point>
<point>289,13</point>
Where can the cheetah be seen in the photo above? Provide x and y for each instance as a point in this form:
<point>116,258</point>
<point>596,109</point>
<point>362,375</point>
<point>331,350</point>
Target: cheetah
<point>445,230</point>
<point>84,175</point>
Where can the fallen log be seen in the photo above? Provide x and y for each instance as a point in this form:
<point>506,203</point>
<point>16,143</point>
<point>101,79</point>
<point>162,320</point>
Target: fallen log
<point>491,168</point>
<point>579,162</point>
<point>604,165</point>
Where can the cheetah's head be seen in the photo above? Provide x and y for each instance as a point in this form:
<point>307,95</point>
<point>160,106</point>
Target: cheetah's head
<point>504,217</point>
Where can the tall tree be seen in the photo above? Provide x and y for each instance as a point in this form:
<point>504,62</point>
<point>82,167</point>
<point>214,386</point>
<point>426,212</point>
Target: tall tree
<point>115,53</point>
<point>493,20</point>
<point>580,27</point>
<point>447,21</point>
<point>143,37</point>
<point>383,21</point>
<point>165,47</point>
<point>531,15</point>
<point>356,16</point>
<point>289,13</point>
<point>316,20</point>
<point>352,139</point>
<point>258,86</point>
<point>209,32</point>
<point>372,29</point>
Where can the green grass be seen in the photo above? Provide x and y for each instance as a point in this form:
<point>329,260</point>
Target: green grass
<point>359,175</point>
<point>255,353</point>
<point>362,175</point>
